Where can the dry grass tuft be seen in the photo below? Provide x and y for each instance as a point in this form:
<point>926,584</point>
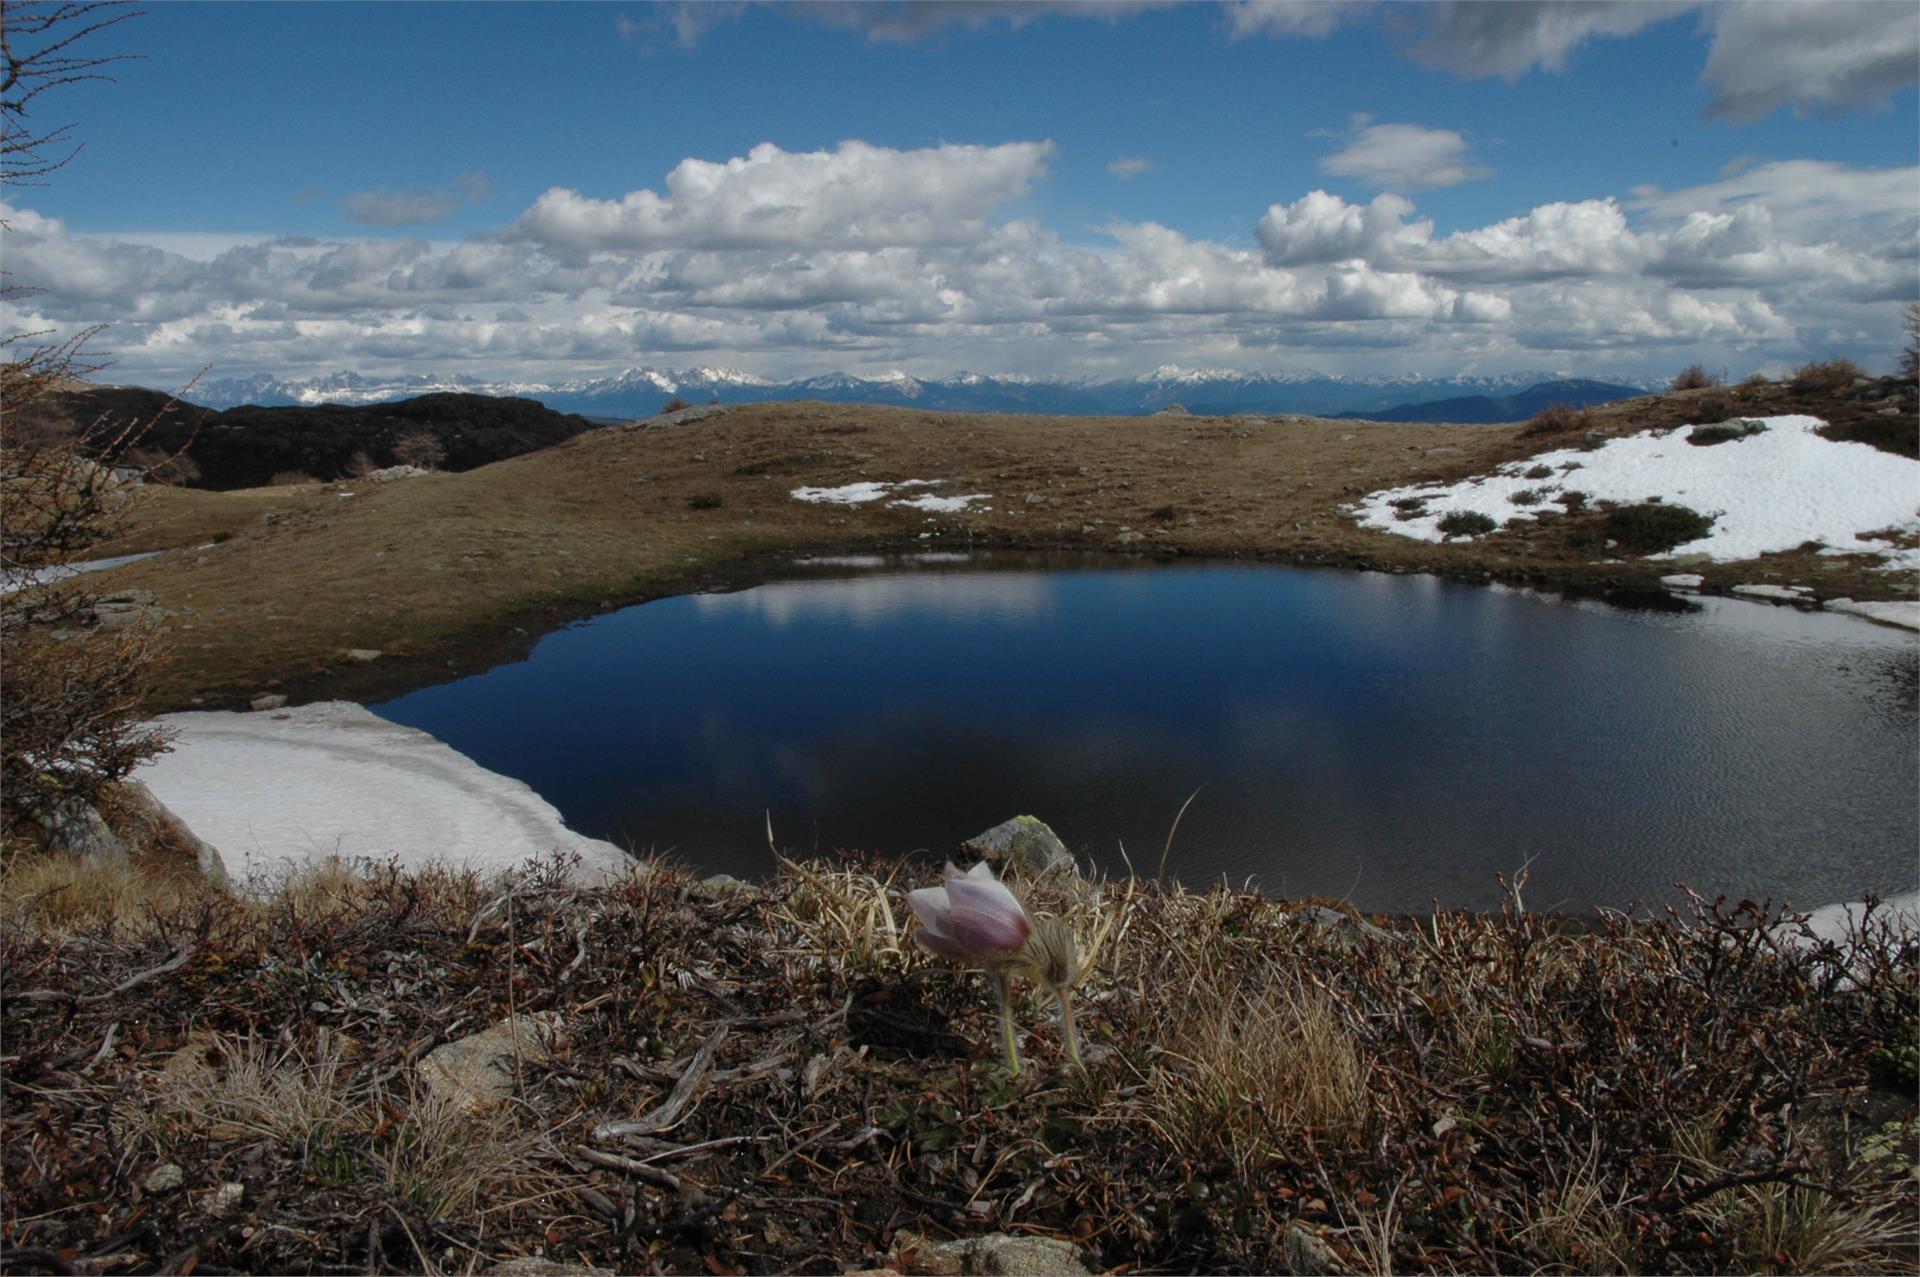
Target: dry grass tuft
<point>1249,1076</point>
<point>59,895</point>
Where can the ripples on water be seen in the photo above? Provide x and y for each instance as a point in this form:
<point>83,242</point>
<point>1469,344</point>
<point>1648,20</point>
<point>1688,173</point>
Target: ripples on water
<point>1395,739</point>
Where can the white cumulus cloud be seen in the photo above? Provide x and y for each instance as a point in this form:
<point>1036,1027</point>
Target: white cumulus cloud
<point>1403,157</point>
<point>854,195</point>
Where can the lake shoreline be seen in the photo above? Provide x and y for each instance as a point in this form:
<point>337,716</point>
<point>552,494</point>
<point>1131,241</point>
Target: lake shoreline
<point>447,574</point>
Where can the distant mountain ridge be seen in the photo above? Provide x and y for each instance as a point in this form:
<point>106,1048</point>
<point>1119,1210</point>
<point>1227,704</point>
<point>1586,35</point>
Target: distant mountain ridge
<point>640,392</point>
<point>1573,392</point>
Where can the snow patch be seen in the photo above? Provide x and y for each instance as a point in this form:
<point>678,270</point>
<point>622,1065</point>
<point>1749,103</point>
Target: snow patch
<point>1905,614</point>
<point>277,791</point>
<point>1768,492</point>
<point>862,493</point>
<point>61,571</point>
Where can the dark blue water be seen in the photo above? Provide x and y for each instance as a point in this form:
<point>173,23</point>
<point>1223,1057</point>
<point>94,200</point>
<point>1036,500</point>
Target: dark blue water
<point>1397,740</point>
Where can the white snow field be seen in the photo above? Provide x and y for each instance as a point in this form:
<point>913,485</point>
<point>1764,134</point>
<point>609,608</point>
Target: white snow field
<point>1770,491</point>
<point>275,791</point>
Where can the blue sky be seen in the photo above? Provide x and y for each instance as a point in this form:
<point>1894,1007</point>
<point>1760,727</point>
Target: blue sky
<point>548,191</point>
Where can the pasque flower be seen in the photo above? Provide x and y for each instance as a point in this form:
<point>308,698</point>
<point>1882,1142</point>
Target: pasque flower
<point>975,919</point>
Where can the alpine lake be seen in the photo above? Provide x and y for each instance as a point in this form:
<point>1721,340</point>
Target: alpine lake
<point>1399,741</point>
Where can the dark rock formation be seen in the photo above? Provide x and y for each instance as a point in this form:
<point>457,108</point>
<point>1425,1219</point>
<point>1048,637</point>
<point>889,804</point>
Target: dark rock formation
<point>246,447</point>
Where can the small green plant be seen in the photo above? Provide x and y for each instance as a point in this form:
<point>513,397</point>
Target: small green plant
<point>1654,528</point>
<point>1465,523</point>
<point>705,501</point>
<point>1166,513</point>
<point>1538,472</point>
<point>1529,496</point>
<point>1409,503</point>
<point>1573,499</point>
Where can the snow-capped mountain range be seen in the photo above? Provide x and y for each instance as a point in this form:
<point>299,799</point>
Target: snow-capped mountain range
<point>639,392</point>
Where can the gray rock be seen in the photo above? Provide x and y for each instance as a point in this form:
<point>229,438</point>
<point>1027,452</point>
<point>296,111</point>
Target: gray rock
<point>541,1266</point>
<point>153,819</point>
<point>1130,537</point>
<point>993,1255</point>
<point>1727,431</point>
<point>727,884</point>
<point>364,654</point>
<point>266,701</point>
<point>678,418</point>
<point>1344,931</point>
<point>1173,410</point>
<point>477,1072</point>
<point>69,826</point>
<point>164,1179</point>
<point>1309,1256</point>
<point>225,1199</point>
<point>396,472</point>
<point>1024,843</point>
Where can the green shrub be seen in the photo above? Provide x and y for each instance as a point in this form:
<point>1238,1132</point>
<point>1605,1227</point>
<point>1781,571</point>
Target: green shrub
<point>1529,496</point>
<point>1465,523</point>
<point>1573,499</point>
<point>705,501</point>
<point>1409,503</point>
<point>1654,528</point>
<point>1539,472</point>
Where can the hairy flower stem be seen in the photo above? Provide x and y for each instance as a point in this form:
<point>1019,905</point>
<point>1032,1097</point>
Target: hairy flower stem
<point>1003,990</point>
<point>1067,1034</point>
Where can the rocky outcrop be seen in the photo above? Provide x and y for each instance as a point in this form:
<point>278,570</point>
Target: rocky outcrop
<point>1024,844</point>
<point>477,1072</point>
<point>152,823</point>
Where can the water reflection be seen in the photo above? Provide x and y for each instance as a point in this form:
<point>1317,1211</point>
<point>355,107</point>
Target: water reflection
<point>870,601</point>
<point>1401,739</point>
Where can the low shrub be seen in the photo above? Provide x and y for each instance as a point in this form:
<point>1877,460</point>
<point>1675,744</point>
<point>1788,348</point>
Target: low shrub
<point>1166,513</point>
<point>1539,472</point>
<point>1831,374</point>
<point>419,448</point>
<point>705,501</point>
<point>675,404</point>
<point>1754,381</point>
<point>1899,434</point>
<point>1465,523</point>
<point>1409,503</point>
<point>290,479</point>
<point>1529,496</point>
<point>1693,377</point>
<point>1554,419</point>
<point>1573,499</point>
<point>1655,527</point>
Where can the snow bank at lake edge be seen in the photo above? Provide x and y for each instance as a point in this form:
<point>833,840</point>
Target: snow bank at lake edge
<point>1770,491</point>
<point>276,791</point>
